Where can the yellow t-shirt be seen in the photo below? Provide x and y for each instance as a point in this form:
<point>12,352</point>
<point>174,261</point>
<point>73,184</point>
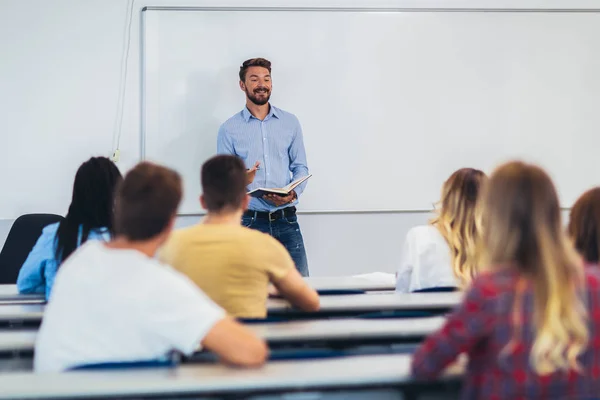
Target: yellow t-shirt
<point>233,265</point>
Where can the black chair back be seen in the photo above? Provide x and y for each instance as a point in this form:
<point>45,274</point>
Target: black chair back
<point>23,234</point>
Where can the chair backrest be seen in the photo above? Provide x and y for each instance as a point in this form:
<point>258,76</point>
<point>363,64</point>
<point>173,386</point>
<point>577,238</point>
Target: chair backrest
<point>20,240</point>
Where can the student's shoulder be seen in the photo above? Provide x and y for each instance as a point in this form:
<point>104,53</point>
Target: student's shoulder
<point>162,275</point>
<point>163,285</point>
<point>423,233</point>
<point>48,235</point>
<point>50,230</point>
<point>82,257</point>
<point>183,235</point>
<point>491,283</point>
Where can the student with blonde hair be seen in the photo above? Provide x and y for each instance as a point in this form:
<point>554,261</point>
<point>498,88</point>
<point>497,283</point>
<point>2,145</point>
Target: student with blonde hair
<point>529,323</point>
<point>444,253</point>
<point>584,225</point>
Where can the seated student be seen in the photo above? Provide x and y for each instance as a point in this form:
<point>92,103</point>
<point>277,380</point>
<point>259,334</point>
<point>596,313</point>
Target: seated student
<point>113,302</point>
<point>232,264</point>
<point>89,217</point>
<point>443,253</point>
<point>530,324</point>
<point>584,225</point>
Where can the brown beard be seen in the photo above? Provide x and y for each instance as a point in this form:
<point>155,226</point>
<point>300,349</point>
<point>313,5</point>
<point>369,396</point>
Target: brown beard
<point>255,100</point>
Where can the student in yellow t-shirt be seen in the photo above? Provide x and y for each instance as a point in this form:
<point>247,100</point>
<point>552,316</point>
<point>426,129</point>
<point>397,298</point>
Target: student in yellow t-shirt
<point>232,264</point>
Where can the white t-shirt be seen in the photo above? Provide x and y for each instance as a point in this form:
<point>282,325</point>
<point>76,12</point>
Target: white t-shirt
<point>425,261</point>
<point>111,305</point>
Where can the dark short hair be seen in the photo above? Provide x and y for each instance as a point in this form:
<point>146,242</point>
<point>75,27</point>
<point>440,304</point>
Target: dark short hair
<point>253,62</point>
<point>584,225</point>
<point>146,201</point>
<point>223,183</point>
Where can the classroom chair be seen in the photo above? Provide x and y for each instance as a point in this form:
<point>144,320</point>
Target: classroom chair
<point>20,240</point>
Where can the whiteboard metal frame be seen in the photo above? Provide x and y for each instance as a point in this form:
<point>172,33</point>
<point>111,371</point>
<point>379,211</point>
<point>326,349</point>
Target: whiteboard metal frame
<point>142,72</point>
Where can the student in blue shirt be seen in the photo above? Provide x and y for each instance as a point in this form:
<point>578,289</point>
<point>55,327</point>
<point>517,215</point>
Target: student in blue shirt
<point>89,218</point>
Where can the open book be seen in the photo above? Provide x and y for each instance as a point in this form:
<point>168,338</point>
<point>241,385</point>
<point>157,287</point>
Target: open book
<point>284,191</point>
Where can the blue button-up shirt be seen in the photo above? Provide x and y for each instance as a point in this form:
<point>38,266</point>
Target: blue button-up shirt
<point>276,142</point>
<point>39,269</point>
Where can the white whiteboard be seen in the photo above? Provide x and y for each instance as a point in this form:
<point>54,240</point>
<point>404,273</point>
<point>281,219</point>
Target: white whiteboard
<point>390,102</point>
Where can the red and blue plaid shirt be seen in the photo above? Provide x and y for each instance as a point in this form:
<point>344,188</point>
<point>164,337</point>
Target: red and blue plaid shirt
<point>482,326</point>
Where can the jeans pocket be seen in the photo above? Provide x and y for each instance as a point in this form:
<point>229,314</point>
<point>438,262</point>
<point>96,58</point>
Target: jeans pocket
<point>293,220</point>
<point>247,221</point>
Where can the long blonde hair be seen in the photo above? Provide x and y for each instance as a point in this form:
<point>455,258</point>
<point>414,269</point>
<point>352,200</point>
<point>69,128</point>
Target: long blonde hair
<point>522,217</point>
<point>459,222</point>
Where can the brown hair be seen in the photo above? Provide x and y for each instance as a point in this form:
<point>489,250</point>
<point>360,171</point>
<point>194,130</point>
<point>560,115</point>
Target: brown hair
<point>524,232</point>
<point>584,225</point>
<point>146,201</point>
<point>253,62</point>
<point>458,220</point>
<point>224,180</point>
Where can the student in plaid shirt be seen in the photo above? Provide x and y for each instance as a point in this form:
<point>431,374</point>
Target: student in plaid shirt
<point>531,324</point>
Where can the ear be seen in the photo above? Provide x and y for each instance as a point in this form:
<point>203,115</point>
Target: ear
<point>242,86</point>
<point>203,202</point>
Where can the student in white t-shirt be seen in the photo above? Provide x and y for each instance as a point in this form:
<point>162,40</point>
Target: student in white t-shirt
<point>444,253</point>
<point>112,302</point>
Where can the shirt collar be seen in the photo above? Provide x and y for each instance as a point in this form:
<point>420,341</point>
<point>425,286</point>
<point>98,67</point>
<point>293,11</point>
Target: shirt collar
<point>273,112</point>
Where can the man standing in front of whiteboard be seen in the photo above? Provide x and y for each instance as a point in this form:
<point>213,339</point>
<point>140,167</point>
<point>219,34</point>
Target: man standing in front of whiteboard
<point>269,140</point>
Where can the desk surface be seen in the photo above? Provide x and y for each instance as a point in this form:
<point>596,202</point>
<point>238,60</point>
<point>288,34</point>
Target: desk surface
<point>360,302</point>
<point>17,340</point>
<point>295,331</point>
<point>10,295</point>
<point>375,302</point>
<point>366,283</point>
<point>345,372</point>
<point>346,329</point>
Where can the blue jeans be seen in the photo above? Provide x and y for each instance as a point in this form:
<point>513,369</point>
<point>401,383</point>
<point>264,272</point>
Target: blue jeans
<point>287,231</point>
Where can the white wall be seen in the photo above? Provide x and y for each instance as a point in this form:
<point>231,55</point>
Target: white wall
<point>59,84</point>
<point>59,78</point>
